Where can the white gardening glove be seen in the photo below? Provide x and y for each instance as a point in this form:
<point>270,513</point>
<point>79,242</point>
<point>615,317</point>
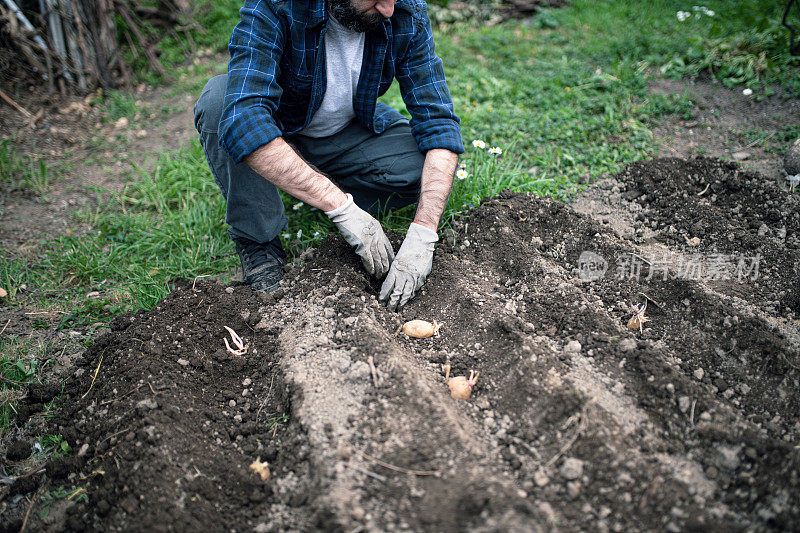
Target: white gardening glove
<point>365,234</point>
<point>410,268</point>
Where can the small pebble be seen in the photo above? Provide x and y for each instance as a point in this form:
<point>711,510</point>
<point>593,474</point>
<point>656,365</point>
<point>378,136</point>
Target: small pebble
<point>699,374</point>
<point>573,347</point>
<point>147,403</point>
<point>684,403</point>
<point>183,362</point>
<point>627,345</point>
<point>572,468</point>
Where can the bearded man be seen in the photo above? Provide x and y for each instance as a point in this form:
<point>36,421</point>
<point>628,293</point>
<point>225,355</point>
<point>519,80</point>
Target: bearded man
<point>298,112</point>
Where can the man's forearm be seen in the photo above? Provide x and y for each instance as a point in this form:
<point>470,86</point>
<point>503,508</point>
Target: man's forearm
<point>279,164</point>
<point>437,180</point>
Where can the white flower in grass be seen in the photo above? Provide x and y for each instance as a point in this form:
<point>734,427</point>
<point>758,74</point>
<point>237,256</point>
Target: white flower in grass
<point>299,233</point>
<point>683,15</point>
<point>316,234</point>
<point>297,206</point>
<point>477,143</point>
<point>461,174</point>
<point>286,235</point>
<point>747,92</point>
<point>495,150</point>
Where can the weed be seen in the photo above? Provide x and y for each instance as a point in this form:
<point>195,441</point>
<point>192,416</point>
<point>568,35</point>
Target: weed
<point>117,105</point>
<point>50,497</point>
<point>19,365</point>
<point>23,172</point>
<point>54,445</point>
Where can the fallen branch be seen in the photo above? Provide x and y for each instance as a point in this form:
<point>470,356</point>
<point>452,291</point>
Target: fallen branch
<point>148,51</point>
<point>15,105</point>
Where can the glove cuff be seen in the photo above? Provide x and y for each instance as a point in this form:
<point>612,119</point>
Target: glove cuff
<point>422,233</point>
<point>342,208</point>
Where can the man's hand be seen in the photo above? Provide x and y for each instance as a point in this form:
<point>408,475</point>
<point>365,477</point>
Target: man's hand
<point>365,234</point>
<point>410,268</point>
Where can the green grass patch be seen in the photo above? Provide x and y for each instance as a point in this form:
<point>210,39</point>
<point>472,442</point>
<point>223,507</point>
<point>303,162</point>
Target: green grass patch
<point>23,172</point>
<point>776,142</point>
<point>20,364</point>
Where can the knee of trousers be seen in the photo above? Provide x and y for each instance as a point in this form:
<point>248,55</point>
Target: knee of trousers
<point>406,173</point>
<point>208,109</point>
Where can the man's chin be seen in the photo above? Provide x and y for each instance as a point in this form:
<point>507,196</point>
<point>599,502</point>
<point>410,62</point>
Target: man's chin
<point>371,21</point>
<point>348,17</point>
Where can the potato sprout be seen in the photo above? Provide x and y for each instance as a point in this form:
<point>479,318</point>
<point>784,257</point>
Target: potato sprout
<point>460,386</point>
<point>638,319</point>
<point>262,469</point>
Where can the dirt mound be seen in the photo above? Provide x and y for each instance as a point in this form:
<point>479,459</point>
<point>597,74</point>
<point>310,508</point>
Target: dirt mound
<point>577,421</point>
<point>729,210</point>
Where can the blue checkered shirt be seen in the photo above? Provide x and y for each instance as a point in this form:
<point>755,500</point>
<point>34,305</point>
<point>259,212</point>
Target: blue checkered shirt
<point>276,76</point>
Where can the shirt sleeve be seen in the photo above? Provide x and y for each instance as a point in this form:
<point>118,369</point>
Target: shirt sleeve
<point>252,94</point>
<point>420,74</point>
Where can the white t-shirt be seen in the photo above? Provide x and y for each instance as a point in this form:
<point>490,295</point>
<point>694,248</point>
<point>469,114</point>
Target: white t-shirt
<point>344,53</point>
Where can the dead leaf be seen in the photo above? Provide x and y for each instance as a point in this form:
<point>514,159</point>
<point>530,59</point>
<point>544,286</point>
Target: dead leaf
<point>3,292</point>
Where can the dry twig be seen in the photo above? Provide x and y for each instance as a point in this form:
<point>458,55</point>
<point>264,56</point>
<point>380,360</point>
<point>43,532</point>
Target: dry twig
<point>569,443</point>
<point>15,105</point>
<point>400,469</point>
<point>96,370</point>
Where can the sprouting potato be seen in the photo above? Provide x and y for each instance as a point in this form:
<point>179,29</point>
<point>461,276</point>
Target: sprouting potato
<point>421,329</point>
<point>262,469</point>
<point>460,386</point>
<point>638,319</point>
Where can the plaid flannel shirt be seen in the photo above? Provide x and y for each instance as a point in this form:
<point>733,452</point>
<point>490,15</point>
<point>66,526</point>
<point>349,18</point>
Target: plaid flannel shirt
<point>276,76</point>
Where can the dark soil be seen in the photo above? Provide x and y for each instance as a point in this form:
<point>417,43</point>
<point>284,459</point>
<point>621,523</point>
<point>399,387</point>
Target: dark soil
<point>731,211</point>
<point>577,421</point>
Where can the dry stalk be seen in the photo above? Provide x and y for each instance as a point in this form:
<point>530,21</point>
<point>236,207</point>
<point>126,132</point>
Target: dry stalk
<point>96,370</point>
<point>400,469</point>
<point>569,443</point>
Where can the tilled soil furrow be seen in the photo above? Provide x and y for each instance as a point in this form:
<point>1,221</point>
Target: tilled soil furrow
<point>580,420</point>
<point>390,448</point>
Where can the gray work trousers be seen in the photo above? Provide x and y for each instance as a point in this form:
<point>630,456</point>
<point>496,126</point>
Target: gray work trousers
<point>381,171</point>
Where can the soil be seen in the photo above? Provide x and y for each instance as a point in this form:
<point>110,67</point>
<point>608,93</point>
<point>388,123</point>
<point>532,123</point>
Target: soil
<point>85,172</point>
<point>577,422</point>
<point>715,125</point>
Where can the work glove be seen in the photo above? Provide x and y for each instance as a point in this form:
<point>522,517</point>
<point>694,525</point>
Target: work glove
<point>365,234</point>
<point>410,268</point>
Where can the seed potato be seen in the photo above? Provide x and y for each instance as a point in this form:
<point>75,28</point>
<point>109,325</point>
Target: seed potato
<point>421,329</point>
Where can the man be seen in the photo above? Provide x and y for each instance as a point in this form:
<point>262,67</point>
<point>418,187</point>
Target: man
<point>298,112</point>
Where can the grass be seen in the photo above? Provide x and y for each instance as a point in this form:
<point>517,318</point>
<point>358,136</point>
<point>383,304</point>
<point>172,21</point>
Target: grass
<point>563,96</point>
<point>24,172</point>
<point>22,361</point>
<point>776,142</point>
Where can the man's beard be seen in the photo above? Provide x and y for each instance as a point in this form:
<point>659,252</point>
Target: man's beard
<point>345,13</point>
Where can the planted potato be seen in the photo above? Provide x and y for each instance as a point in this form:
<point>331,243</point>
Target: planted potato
<point>421,329</point>
<point>461,387</point>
